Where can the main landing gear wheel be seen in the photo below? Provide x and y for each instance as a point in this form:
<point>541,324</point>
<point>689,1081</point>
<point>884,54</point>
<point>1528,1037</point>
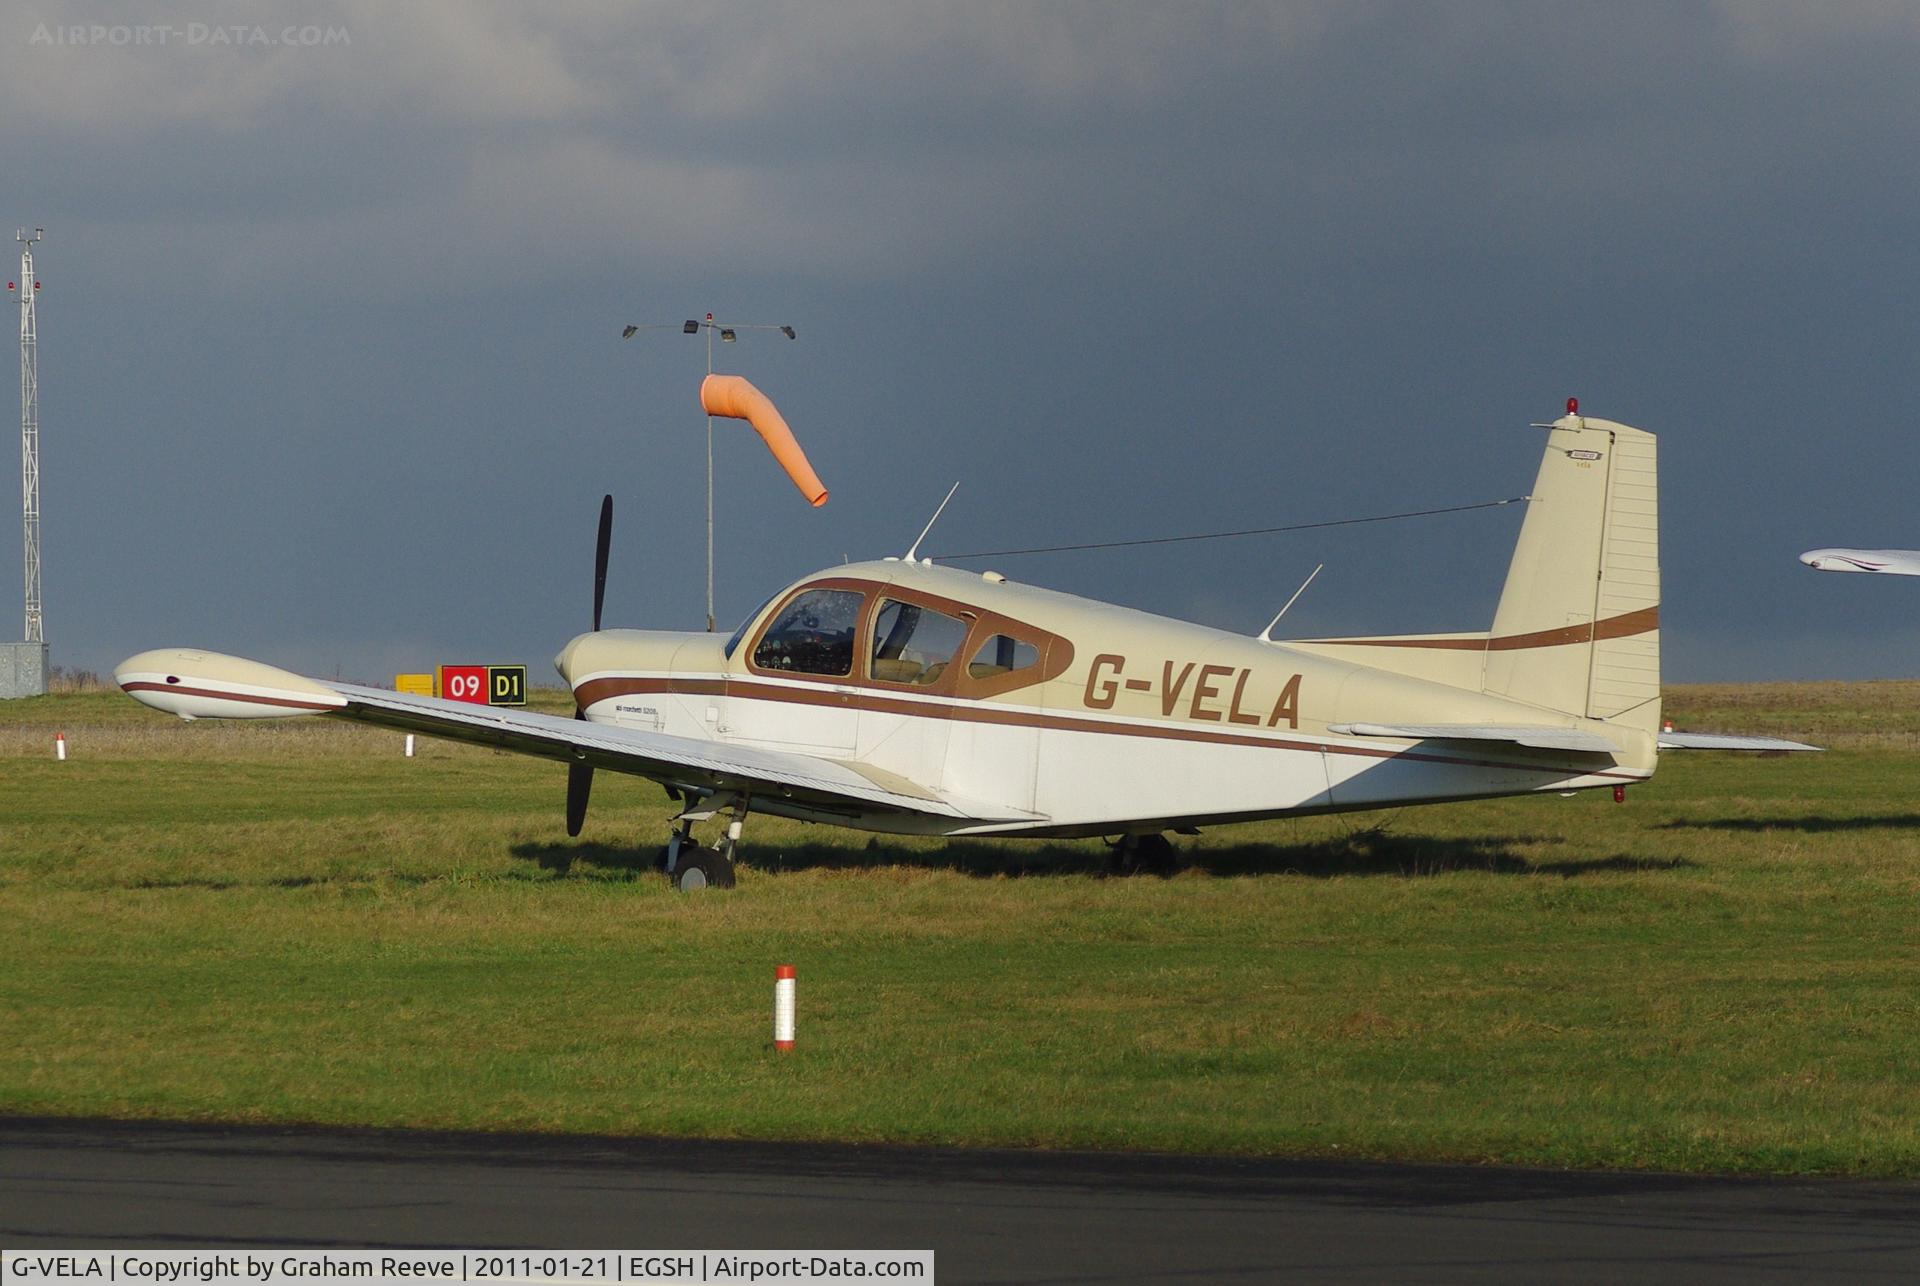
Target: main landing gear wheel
<point>1145,855</point>
<point>701,868</point>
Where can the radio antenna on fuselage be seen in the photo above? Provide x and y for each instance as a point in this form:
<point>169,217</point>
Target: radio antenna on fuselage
<point>1266,635</point>
<point>929,527</point>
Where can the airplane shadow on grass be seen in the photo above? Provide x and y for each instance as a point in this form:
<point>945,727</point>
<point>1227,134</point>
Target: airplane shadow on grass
<point>1813,825</point>
<point>1364,853</point>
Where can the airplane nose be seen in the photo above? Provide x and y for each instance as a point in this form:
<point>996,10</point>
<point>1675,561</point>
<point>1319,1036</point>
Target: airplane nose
<point>563,663</point>
<point>1811,559</point>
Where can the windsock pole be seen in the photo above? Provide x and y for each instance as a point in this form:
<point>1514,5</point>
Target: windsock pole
<point>783,1008</point>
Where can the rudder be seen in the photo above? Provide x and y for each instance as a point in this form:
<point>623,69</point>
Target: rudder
<point>1578,625</point>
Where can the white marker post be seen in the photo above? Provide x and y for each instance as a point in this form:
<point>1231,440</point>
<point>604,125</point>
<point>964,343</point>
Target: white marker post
<point>409,745</point>
<point>60,746</point>
<point>783,1008</point>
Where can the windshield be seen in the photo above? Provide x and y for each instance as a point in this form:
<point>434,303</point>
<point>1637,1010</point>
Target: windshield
<point>733,641</point>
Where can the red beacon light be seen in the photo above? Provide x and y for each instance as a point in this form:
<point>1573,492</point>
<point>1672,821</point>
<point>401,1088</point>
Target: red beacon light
<point>1573,406</point>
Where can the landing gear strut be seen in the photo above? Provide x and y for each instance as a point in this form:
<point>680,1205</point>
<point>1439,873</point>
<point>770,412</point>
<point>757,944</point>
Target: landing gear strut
<point>688,864</point>
<point>1151,854</point>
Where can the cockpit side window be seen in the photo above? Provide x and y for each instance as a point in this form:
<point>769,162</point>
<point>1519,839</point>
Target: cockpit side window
<point>913,644</point>
<point>1002,654</point>
<point>813,634</point>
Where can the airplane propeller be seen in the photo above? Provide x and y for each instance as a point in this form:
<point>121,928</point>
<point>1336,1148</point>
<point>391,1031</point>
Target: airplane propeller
<point>579,775</point>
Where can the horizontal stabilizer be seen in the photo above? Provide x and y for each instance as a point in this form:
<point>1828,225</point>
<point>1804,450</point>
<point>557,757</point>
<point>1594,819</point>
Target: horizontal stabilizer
<point>1726,741</point>
<point>1539,736</point>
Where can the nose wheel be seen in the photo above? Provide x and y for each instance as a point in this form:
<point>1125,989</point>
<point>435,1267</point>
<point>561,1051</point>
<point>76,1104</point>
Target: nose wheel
<point>701,868</point>
<point>690,865</point>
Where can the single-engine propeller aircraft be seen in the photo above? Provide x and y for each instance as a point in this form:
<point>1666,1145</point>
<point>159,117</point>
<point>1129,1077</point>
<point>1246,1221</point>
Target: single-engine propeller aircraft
<point>898,696</point>
<point>1885,562</point>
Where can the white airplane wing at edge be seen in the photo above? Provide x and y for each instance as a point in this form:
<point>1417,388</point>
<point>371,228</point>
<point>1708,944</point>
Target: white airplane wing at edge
<point>1886,562</point>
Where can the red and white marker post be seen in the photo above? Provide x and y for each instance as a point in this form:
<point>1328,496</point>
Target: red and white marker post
<point>60,746</point>
<point>783,1008</point>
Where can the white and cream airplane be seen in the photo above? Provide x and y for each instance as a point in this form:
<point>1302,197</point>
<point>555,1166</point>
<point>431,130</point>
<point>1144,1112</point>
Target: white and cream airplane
<point>898,696</point>
<point>1885,562</point>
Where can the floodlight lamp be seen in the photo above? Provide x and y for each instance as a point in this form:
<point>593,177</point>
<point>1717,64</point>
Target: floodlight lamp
<point>787,331</point>
<point>691,327</point>
<point>726,335</point>
<point>629,332</point>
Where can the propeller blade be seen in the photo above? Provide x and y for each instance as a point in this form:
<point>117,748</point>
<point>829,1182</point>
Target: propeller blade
<point>579,786</point>
<point>600,561</point>
<point>580,776</point>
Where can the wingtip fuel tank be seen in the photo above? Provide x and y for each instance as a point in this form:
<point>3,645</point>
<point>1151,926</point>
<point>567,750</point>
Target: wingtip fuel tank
<point>209,685</point>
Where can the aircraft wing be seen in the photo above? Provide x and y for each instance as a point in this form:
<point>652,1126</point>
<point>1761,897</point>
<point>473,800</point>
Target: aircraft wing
<point>1887,562</point>
<point>1726,741</point>
<point>684,761</point>
<point>207,685</point>
<point>1539,736</point>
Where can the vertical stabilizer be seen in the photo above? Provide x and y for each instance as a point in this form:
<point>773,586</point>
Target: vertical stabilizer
<point>1578,626</point>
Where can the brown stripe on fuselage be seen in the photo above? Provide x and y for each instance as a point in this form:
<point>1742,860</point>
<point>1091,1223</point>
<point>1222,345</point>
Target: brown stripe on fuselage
<point>1614,627</point>
<point>597,690</point>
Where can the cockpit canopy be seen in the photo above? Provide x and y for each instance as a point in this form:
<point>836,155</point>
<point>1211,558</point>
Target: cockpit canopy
<point>894,636</point>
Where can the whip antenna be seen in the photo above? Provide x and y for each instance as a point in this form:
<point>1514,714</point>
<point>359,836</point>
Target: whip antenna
<point>929,527</point>
<point>1266,635</point>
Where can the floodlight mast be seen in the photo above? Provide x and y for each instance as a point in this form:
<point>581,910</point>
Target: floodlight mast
<point>728,334</point>
<point>30,432</point>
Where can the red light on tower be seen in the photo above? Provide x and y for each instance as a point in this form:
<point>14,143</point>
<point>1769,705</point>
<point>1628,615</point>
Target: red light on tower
<point>1573,406</point>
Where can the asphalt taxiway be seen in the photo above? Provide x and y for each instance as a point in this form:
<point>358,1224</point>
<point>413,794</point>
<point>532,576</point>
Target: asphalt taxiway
<point>991,1216</point>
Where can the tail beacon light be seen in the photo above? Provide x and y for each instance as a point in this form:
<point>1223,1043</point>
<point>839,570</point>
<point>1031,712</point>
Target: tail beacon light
<point>783,1007</point>
<point>735,398</point>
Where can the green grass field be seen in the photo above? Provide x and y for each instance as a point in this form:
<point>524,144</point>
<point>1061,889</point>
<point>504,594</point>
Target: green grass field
<point>290,922</point>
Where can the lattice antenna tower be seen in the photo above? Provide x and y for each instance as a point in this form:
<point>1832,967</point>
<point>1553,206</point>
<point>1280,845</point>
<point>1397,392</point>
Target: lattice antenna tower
<point>30,430</point>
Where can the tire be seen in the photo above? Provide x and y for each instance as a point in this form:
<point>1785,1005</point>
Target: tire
<point>701,868</point>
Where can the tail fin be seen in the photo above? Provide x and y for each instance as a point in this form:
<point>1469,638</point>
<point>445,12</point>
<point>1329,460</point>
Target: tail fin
<point>1578,626</point>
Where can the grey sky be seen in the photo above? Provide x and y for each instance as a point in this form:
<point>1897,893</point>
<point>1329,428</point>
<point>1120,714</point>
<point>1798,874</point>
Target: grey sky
<point>331,373</point>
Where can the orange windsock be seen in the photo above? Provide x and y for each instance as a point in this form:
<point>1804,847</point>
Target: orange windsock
<point>734,397</point>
